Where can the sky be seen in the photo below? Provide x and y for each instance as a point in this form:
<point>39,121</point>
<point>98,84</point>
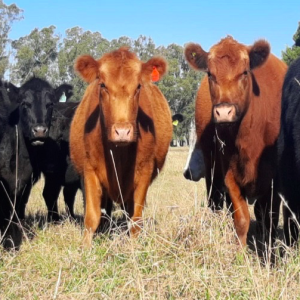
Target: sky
<point>167,21</point>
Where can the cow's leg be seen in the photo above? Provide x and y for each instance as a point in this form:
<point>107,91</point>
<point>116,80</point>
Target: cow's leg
<point>22,201</point>
<point>139,197</point>
<point>50,193</point>
<point>107,205</point>
<point>93,197</point>
<point>291,213</point>
<point>266,211</point>
<point>69,192</point>
<point>241,215</point>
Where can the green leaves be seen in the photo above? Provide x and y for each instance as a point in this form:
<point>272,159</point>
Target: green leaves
<point>292,53</point>
<point>8,14</point>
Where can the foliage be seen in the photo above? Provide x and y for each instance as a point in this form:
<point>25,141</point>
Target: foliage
<point>8,14</point>
<point>78,42</point>
<point>292,53</point>
<point>35,54</point>
<point>180,86</point>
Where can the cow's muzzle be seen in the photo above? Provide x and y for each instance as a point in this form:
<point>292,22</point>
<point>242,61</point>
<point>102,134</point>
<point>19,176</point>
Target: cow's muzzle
<point>122,133</point>
<point>39,133</point>
<point>224,113</point>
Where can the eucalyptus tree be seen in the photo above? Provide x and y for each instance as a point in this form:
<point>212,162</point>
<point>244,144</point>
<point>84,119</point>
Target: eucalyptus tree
<point>292,53</point>
<point>35,54</point>
<point>8,14</point>
<point>75,43</point>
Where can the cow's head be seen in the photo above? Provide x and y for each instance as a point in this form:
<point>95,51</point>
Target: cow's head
<point>229,68</point>
<point>36,99</point>
<point>119,78</point>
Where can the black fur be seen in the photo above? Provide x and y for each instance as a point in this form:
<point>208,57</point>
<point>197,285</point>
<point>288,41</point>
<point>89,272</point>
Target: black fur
<point>289,151</point>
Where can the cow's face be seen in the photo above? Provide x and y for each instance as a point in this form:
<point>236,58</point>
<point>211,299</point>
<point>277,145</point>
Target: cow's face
<point>120,77</point>
<point>228,65</point>
<point>35,114</point>
<point>36,107</point>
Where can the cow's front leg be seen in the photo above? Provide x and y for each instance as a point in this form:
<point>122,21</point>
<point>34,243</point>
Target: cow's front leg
<point>241,214</point>
<point>139,200</point>
<point>93,194</point>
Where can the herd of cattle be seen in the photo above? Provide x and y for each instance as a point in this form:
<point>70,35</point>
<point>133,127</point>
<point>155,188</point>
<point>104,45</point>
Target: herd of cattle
<point>114,143</point>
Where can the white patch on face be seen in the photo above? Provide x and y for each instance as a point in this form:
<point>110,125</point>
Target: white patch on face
<point>37,143</point>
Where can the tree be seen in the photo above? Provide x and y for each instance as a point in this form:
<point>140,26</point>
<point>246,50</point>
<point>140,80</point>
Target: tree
<point>179,86</point>
<point>144,47</point>
<point>78,42</point>
<point>292,53</point>
<point>35,54</point>
<point>8,14</point>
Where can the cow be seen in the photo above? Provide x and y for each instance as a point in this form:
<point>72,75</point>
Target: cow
<point>195,166</point>
<point>53,161</point>
<point>237,115</point>
<point>289,152</point>
<point>15,169</point>
<point>46,144</point>
<point>120,134</point>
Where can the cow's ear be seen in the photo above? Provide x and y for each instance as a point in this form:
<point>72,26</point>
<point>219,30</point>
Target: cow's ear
<point>196,56</point>
<point>66,89</point>
<point>87,67</point>
<point>258,53</point>
<point>154,69</point>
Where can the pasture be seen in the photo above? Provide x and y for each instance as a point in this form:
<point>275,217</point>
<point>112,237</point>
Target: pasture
<point>184,252</point>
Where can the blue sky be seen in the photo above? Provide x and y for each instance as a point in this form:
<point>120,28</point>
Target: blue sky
<point>168,21</point>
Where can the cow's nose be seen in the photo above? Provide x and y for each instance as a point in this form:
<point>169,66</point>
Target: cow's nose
<point>122,132</point>
<point>39,131</point>
<point>224,113</point>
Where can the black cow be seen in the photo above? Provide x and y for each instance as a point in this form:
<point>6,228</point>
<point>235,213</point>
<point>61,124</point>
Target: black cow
<point>289,152</point>
<point>16,173</point>
<point>44,123</point>
<point>53,160</point>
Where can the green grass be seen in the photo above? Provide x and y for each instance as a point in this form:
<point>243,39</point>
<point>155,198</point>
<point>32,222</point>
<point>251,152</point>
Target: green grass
<point>184,252</point>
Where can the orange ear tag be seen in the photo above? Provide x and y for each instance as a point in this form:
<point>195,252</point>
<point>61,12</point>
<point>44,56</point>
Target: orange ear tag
<point>154,75</point>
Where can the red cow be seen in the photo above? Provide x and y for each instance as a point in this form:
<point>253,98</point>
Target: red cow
<point>237,123</point>
<point>120,134</point>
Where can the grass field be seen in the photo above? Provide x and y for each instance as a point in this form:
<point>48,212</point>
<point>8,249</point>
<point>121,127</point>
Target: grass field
<point>184,252</point>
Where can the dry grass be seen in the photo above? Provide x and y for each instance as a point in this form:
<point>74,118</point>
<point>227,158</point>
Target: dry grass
<point>184,252</point>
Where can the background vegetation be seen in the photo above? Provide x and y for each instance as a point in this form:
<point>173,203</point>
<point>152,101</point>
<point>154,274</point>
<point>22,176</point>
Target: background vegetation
<point>43,53</point>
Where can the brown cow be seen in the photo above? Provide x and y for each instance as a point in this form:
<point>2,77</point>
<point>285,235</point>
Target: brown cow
<point>237,123</point>
<point>120,134</point>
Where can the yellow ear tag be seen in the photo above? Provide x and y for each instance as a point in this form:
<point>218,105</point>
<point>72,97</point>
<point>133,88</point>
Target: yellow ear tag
<point>175,123</point>
<point>154,75</point>
<point>194,54</point>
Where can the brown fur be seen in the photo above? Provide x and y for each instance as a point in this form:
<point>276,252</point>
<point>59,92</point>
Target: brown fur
<point>120,96</point>
<point>251,79</point>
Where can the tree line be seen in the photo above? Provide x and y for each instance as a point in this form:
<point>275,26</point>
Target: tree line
<point>45,54</point>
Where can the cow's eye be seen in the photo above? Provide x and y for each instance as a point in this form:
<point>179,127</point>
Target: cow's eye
<point>245,72</point>
<point>102,85</point>
<point>139,87</point>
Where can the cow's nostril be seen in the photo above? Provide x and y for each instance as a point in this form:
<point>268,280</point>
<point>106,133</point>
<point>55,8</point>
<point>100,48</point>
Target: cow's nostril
<point>217,112</point>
